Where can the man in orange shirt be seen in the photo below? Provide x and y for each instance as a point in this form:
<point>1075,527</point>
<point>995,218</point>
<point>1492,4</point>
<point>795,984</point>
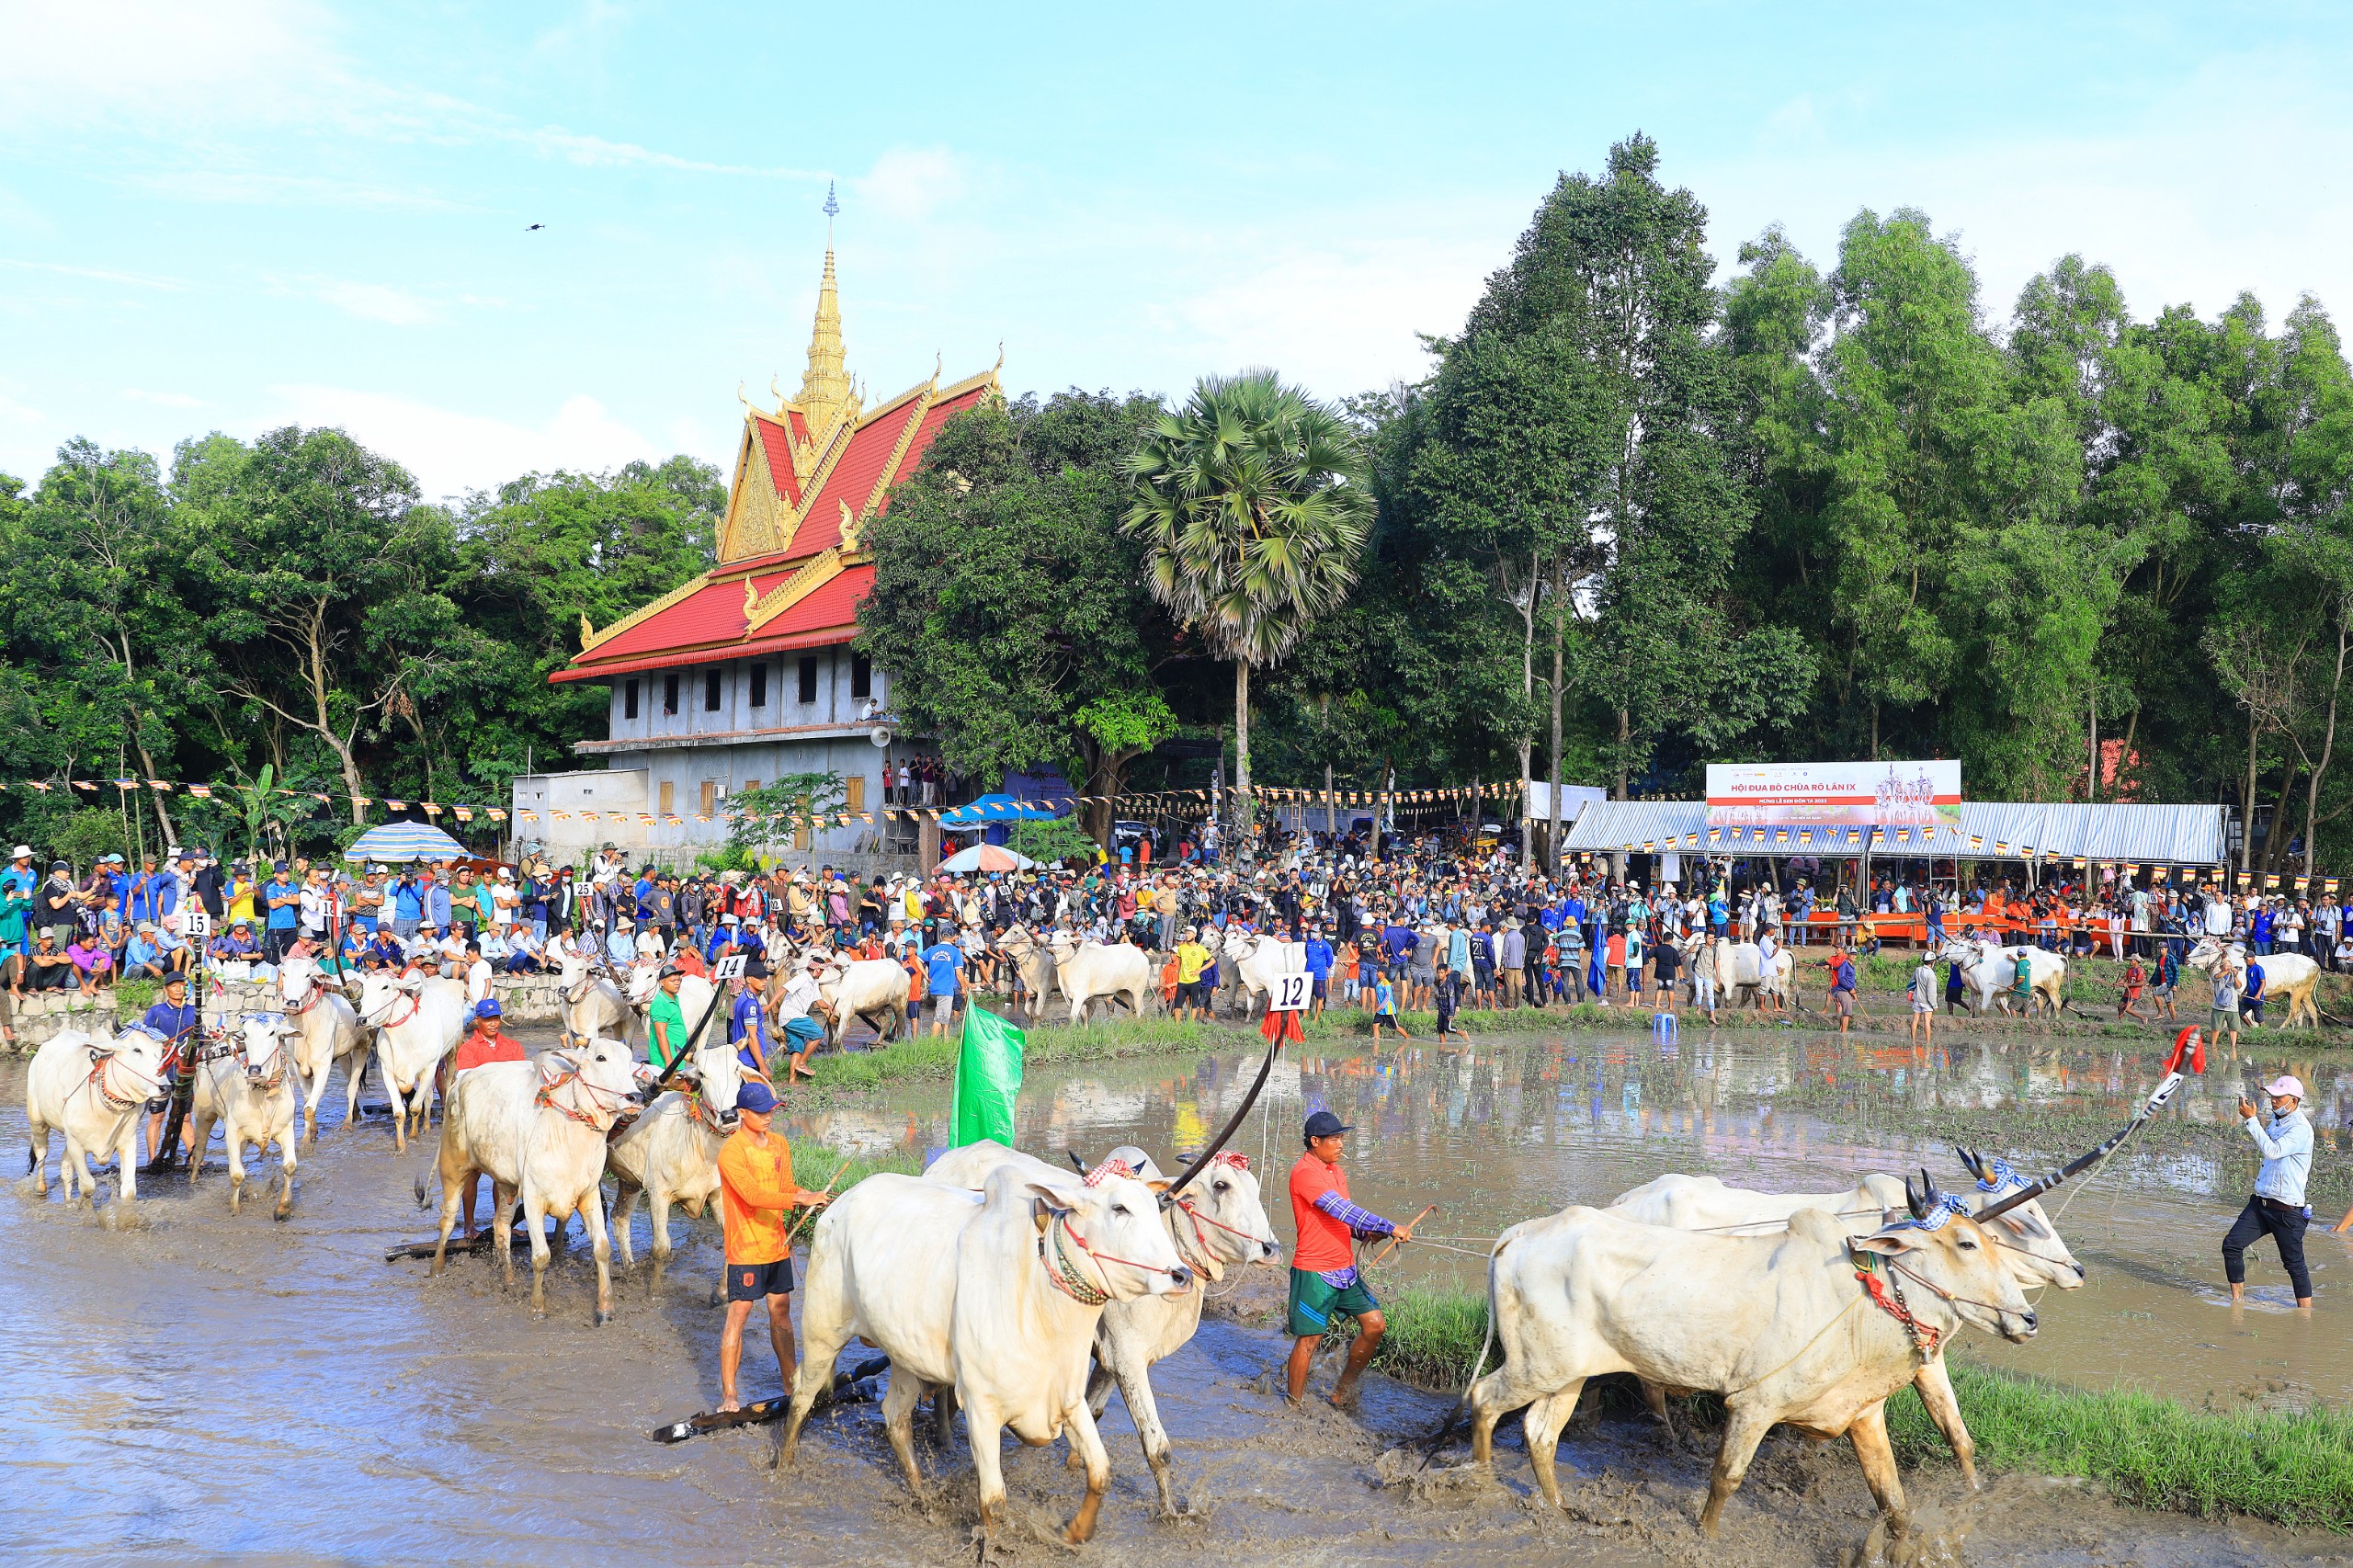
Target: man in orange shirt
<point>1324,1284</point>
<point>757,1195</point>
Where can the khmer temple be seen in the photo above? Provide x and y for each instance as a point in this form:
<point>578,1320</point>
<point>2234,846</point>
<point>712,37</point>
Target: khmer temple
<point>745,674</point>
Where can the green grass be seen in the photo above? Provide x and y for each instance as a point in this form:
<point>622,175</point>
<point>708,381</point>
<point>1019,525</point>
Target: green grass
<point>2293,1468</point>
<point>133,997</point>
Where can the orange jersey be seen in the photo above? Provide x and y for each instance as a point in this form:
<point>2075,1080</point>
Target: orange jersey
<point>1325,1243</point>
<point>756,1190</point>
<point>478,1048</point>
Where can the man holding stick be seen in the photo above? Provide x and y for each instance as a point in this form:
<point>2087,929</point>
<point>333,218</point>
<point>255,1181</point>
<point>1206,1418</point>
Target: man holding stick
<point>1324,1283</point>
<point>756,1196</point>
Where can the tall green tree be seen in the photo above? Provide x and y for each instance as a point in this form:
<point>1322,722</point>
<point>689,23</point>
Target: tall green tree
<point>1252,502</point>
<point>1007,608</point>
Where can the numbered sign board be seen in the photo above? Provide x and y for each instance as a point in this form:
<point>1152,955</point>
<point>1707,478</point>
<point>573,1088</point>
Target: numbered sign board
<point>196,921</point>
<point>729,968</point>
<point>1292,992</point>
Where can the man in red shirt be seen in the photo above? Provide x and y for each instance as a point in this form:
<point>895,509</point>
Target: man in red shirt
<point>1324,1284</point>
<point>484,1042</point>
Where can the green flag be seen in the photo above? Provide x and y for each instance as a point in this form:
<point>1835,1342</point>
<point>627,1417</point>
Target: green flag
<point>988,1078</point>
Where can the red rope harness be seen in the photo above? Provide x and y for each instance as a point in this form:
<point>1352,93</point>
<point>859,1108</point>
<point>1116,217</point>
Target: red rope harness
<point>1923,1337</point>
<point>546,1098</point>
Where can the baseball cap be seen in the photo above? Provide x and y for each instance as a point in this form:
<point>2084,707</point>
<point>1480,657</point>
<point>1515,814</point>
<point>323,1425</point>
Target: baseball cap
<point>2286,1084</point>
<point>1323,1124</point>
<point>754,1095</point>
<point>488,1007</point>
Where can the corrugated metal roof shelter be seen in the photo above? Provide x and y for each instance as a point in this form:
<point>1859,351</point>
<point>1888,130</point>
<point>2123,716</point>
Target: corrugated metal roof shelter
<point>2175,835</point>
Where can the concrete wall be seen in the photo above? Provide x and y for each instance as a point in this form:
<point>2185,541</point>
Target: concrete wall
<point>782,705</point>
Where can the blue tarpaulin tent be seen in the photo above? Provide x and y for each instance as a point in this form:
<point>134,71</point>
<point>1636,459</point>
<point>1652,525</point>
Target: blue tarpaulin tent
<point>996,809</point>
<point>406,841</point>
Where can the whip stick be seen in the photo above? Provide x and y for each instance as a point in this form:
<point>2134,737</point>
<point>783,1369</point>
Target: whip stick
<point>1408,1225</point>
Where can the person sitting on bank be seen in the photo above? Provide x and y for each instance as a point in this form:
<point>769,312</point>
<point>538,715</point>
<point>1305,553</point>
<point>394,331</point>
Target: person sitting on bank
<point>2278,1208</point>
<point>1324,1283</point>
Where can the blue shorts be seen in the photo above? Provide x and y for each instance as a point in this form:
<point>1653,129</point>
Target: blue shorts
<point>801,1031</point>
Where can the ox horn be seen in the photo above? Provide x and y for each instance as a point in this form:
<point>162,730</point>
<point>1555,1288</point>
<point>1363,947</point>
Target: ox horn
<point>1075,1163</point>
<point>1916,1197</point>
<point>1972,1162</point>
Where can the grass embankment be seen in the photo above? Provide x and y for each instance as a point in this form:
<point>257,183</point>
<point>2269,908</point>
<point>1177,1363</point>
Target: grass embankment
<point>2293,1468</point>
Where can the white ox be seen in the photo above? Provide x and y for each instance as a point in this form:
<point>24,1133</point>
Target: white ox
<point>1738,977</point>
<point>872,989</point>
<point>1088,972</point>
<point>418,1020</point>
<point>326,1031</point>
<point>1033,963</point>
<point>1220,1224</point>
<point>250,1089</point>
<point>2291,975</point>
<point>591,1005</point>
<point>1990,972</point>
<point>536,1128</point>
<point>2029,1245</point>
<point>1252,961</point>
<point>91,1093</point>
<point>671,1152</point>
<point>1779,1325</point>
<point>994,1294</point>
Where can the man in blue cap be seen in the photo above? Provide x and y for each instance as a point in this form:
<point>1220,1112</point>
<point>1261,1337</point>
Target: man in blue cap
<point>757,1195</point>
<point>485,1041</point>
<point>1324,1283</point>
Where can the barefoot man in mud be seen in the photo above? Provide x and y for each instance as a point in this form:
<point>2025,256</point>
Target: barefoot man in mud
<point>757,1197</point>
<point>1324,1284</point>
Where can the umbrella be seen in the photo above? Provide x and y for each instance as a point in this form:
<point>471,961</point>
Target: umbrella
<point>405,841</point>
<point>986,857</point>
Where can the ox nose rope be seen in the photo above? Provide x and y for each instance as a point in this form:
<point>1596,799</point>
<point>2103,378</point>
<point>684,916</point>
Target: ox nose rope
<point>1066,1274</point>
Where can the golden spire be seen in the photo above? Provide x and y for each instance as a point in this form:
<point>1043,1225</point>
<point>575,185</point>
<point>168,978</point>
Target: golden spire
<point>824,386</point>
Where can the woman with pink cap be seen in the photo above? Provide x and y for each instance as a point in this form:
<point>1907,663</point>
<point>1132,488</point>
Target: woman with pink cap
<point>2277,1208</point>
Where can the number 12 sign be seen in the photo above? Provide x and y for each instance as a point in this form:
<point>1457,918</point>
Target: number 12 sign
<point>1291,993</point>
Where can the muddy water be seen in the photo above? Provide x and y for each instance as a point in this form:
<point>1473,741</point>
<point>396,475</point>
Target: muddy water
<point>1499,1133</point>
<point>190,1386</point>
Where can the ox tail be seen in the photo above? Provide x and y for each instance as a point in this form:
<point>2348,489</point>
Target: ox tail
<point>420,1189</point>
<point>1453,1421</point>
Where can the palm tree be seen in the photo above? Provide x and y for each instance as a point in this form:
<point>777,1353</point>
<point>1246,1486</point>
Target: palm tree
<point>1252,500</point>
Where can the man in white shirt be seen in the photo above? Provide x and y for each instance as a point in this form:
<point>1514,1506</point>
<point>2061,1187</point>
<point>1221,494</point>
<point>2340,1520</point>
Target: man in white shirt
<point>2278,1209</point>
<point>2218,912</point>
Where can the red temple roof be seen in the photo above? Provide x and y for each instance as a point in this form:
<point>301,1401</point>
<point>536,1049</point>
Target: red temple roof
<point>706,620</point>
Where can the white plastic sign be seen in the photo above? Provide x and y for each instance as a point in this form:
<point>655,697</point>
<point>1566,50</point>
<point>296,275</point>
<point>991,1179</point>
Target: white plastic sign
<point>196,921</point>
<point>1292,995</point>
<point>729,968</point>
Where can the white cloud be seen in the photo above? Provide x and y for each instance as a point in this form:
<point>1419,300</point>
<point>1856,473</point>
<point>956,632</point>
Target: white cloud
<point>81,61</point>
<point>379,302</point>
<point>912,183</point>
<point>15,413</point>
<point>450,451</point>
<point>103,275</point>
<point>162,398</point>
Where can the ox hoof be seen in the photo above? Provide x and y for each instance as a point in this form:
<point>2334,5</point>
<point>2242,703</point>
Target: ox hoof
<point>603,1317</point>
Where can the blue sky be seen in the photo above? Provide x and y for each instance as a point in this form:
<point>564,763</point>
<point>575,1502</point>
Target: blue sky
<point>239,214</point>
